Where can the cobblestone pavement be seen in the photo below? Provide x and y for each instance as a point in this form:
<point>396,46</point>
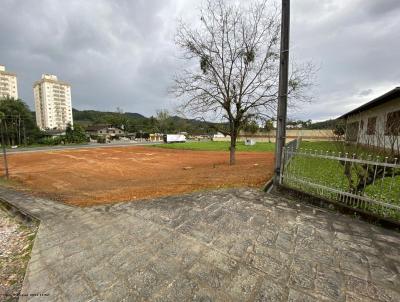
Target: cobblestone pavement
<point>227,245</point>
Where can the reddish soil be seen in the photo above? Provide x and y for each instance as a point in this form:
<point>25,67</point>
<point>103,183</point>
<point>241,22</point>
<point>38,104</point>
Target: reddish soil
<point>104,175</point>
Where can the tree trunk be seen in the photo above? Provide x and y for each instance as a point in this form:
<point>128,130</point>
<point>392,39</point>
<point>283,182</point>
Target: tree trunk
<point>232,155</point>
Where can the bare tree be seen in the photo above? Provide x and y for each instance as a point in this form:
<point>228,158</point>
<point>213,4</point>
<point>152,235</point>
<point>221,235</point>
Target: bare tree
<point>162,117</point>
<point>237,47</point>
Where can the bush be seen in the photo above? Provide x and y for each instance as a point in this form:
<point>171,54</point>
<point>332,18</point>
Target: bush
<point>75,135</point>
<point>51,141</point>
<point>101,140</point>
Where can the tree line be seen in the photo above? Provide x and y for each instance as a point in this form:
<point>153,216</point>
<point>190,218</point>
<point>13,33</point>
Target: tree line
<point>18,127</point>
<point>161,122</point>
<point>18,124</point>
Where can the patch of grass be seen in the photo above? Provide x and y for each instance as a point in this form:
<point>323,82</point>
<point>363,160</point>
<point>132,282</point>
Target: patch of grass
<point>330,173</point>
<point>322,145</point>
<point>8,182</point>
<point>336,147</point>
<point>218,146</point>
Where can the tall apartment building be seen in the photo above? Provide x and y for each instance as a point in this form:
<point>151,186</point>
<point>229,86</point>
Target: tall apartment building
<point>52,103</point>
<point>8,84</point>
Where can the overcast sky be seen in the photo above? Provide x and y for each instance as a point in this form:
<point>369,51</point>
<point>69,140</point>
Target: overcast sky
<point>120,53</point>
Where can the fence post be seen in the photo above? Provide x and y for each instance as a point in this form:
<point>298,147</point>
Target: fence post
<point>283,159</point>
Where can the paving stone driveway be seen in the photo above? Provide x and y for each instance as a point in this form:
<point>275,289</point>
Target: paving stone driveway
<point>227,245</point>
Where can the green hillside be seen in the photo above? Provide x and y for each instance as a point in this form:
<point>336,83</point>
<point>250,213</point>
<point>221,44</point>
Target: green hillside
<point>134,122</point>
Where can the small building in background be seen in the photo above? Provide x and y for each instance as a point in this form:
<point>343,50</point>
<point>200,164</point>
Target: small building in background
<point>52,103</point>
<point>8,84</point>
<point>106,131</point>
<point>219,136</point>
<point>376,123</point>
<point>156,137</point>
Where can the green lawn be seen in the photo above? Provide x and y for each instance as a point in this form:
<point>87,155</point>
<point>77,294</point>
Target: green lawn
<point>330,173</point>
<point>337,147</point>
<point>218,146</point>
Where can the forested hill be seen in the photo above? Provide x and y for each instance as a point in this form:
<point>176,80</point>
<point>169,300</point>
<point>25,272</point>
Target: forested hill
<point>94,115</point>
<point>328,124</point>
<point>134,122</point>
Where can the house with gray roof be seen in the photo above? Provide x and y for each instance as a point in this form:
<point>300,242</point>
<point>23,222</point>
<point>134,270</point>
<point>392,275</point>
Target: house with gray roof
<point>376,123</point>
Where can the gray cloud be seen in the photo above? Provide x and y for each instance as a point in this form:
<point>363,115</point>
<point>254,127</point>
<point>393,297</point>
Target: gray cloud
<point>382,7</point>
<point>365,92</point>
<point>353,42</point>
<point>121,53</point>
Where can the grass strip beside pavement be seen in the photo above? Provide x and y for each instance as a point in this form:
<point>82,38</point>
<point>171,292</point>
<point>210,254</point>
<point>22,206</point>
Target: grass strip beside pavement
<point>218,146</point>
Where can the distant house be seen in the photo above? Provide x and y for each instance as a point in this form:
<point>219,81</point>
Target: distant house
<point>105,131</point>
<point>156,137</point>
<point>376,123</point>
<point>218,136</point>
<point>294,126</point>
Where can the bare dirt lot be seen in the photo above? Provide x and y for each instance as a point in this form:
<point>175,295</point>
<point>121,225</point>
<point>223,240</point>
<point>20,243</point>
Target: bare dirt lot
<point>105,175</point>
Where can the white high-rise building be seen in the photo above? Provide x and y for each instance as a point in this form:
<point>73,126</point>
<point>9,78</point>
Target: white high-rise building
<point>52,103</point>
<point>8,84</point>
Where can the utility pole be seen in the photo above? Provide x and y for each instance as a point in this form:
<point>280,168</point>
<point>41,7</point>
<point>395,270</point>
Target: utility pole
<point>3,145</point>
<point>24,133</point>
<point>283,90</point>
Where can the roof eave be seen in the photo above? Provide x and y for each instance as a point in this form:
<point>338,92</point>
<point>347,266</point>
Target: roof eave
<point>388,96</point>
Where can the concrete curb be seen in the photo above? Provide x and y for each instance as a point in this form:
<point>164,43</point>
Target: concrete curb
<point>13,209</point>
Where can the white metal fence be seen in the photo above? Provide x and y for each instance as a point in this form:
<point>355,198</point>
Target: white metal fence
<point>370,183</point>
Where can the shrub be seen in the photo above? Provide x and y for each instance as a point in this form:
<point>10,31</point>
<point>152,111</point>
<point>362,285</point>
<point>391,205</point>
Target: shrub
<point>101,140</point>
<point>51,141</point>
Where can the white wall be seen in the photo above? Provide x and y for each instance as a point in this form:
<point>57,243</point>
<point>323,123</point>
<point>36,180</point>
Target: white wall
<point>306,134</point>
<point>380,112</point>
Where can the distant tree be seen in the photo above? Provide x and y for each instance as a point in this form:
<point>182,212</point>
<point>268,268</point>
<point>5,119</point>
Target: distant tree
<point>251,127</point>
<point>118,119</point>
<point>151,125</point>
<point>18,124</point>
<point>163,120</point>
<point>143,135</point>
<point>75,134</point>
<point>132,126</point>
<point>339,130</point>
<point>329,124</point>
<point>237,50</point>
<point>269,126</point>
<point>2,117</point>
